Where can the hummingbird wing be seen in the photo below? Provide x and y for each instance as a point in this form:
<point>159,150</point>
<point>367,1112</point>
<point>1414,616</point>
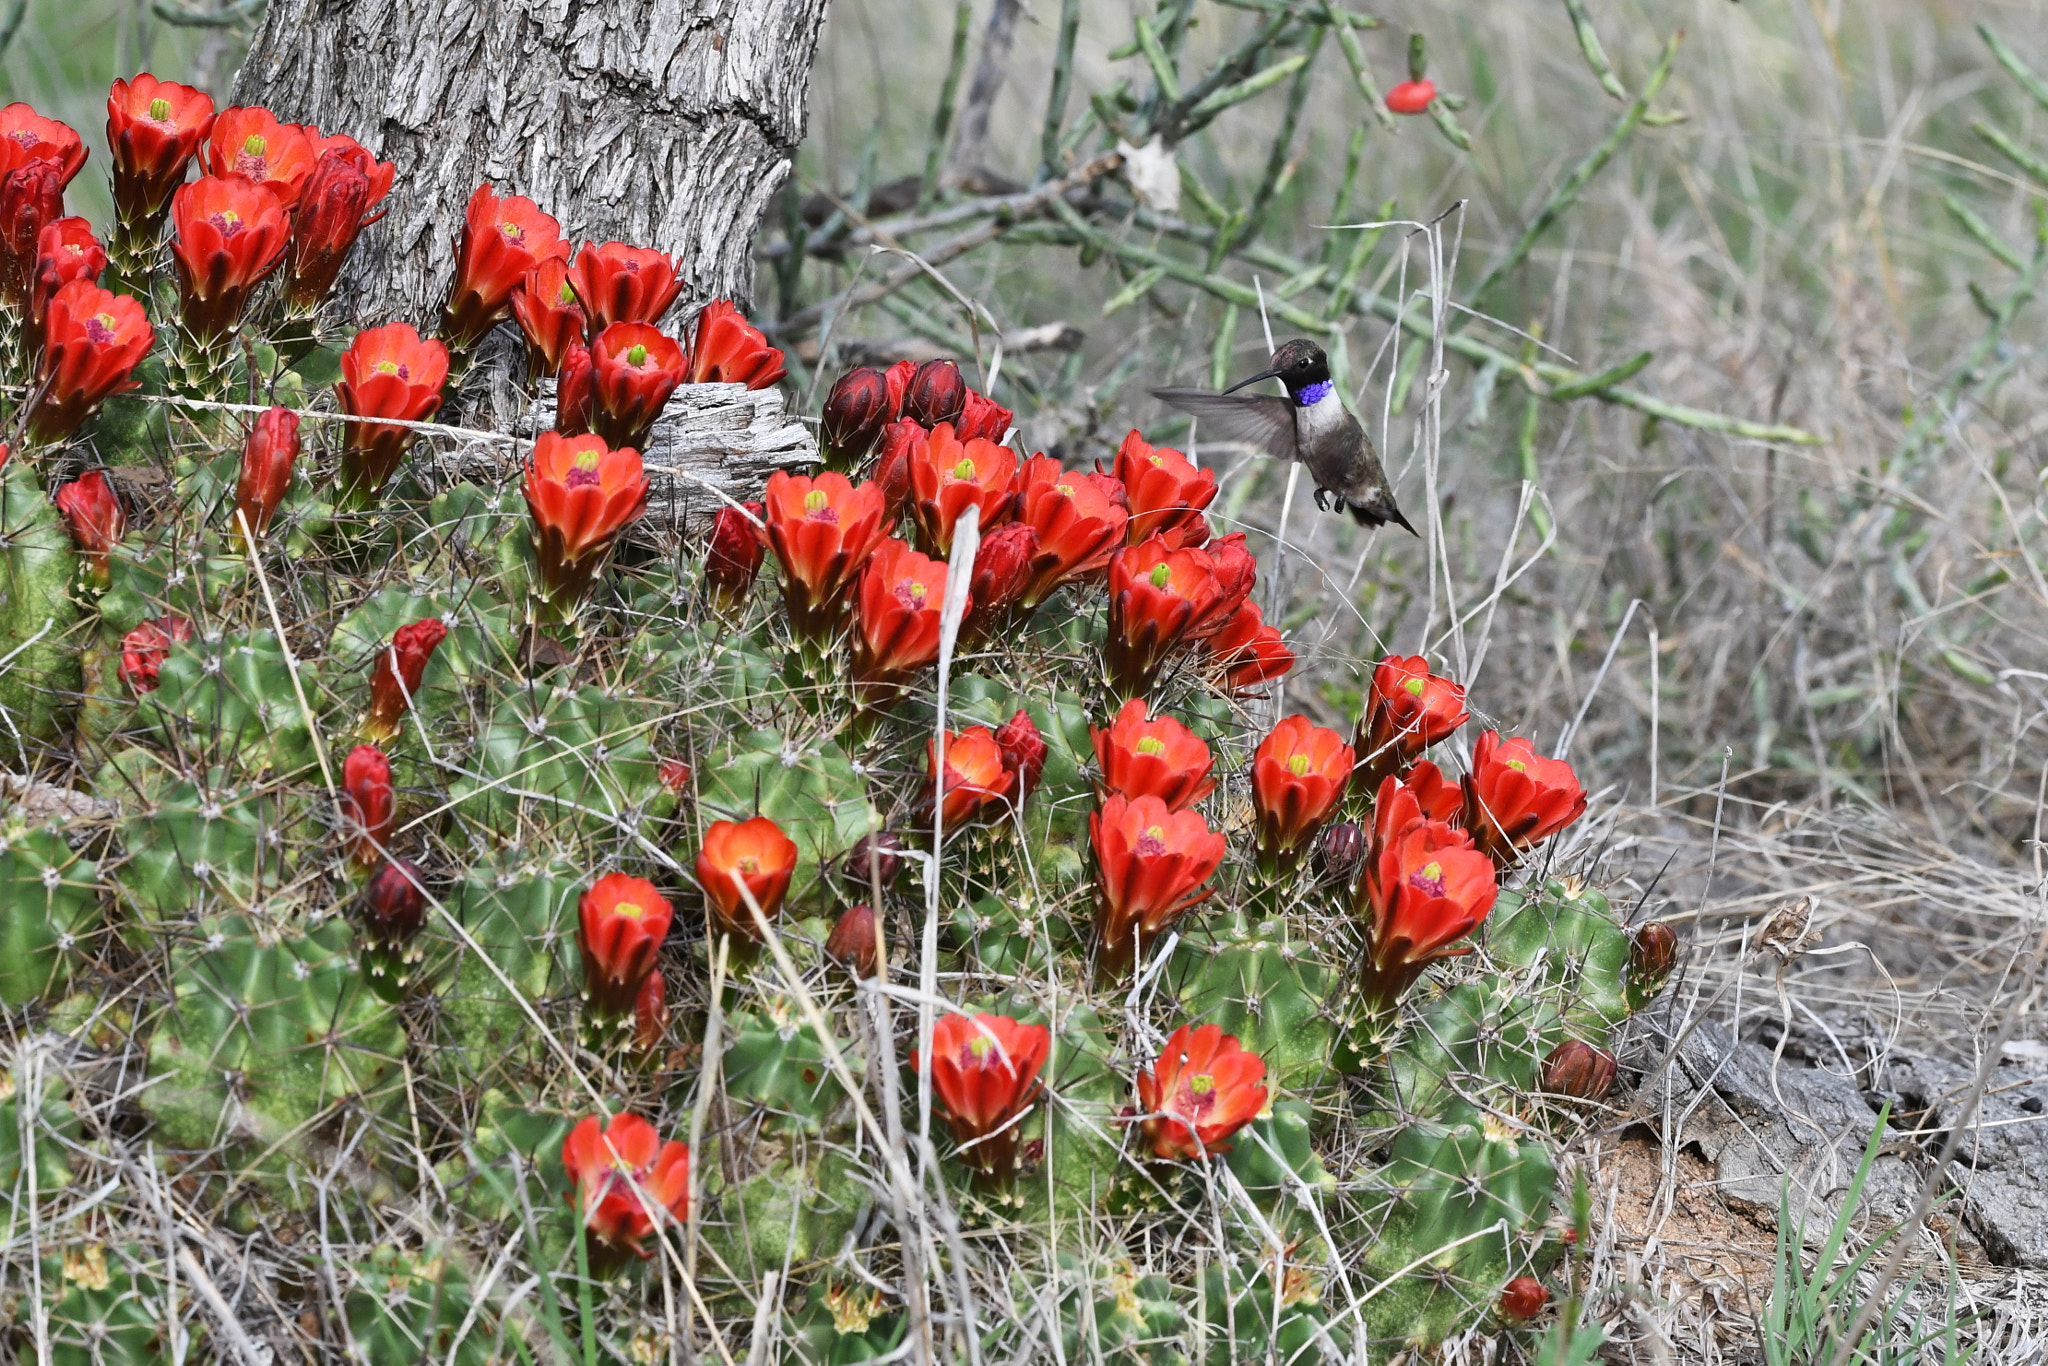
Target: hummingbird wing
<point>1261,420</point>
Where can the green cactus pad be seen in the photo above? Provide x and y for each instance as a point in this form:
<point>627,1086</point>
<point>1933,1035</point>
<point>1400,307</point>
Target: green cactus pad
<point>52,900</point>
<point>197,842</point>
<point>775,1061</point>
<point>794,1209</point>
<point>1267,989</point>
<point>231,700</point>
<point>409,1306</point>
<point>39,617</point>
<point>804,783</point>
<point>106,1307</point>
<point>520,915</point>
<point>568,761</point>
<point>55,1129</point>
<point>1571,947</point>
<point>1473,1050</point>
<point>1273,1159</point>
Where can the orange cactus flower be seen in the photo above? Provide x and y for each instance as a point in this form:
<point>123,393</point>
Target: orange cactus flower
<point>387,372</point>
<point>985,1076</point>
<point>742,860</point>
<point>93,515</point>
<point>617,283</point>
<point>144,649</point>
<point>620,923</point>
<point>334,207</point>
<point>154,129</point>
<point>1515,797</point>
<point>549,316</point>
<point>730,350</point>
<point>1203,1089</point>
<point>368,803</point>
<point>1166,493</point>
<point>623,1179</point>
<point>1247,652</point>
<point>581,495</point>
<point>1155,593</point>
<point>1142,755</point>
<point>266,472</point>
<point>92,341</point>
<point>1438,797</point>
<point>1408,710</point>
<point>902,595</point>
<point>27,136</point>
<point>979,785</point>
<point>947,476</point>
<point>251,143</point>
<point>1298,776</point>
<point>1079,518</point>
<point>822,531</point>
<point>395,676</point>
<point>1151,864</point>
<point>633,370</point>
<point>502,241</point>
<point>1236,573</point>
<point>230,233</point>
<point>1425,887</point>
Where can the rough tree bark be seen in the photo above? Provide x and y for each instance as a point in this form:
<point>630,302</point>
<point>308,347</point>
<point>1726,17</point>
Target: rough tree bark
<point>665,123</point>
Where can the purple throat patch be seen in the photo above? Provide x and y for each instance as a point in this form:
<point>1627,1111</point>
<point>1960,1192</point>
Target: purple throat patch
<point>1312,394</point>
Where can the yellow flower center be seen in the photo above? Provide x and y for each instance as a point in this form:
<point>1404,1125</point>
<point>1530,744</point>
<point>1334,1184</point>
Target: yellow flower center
<point>105,320</point>
<point>982,1046</point>
<point>1155,832</point>
<point>565,295</point>
<point>1065,490</point>
<point>964,470</point>
<point>255,145</point>
<point>227,220</point>
<point>1414,687</point>
<point>1298,765</point>
<point>637,356</point>
<point>1149,745</point>
<point>748,864</point>
<point>816,500</point>
<point>1202,1084</point>
<point>386,367</point>
<point>1157,461</point>
<point>1518,766</point>
<point>916,590</point>
<point>630,910</point>
<point>586,459</point>
<point>513,231</point>
<point>160,110</point>
<point>1161,576</point>
<point>1432,871</point>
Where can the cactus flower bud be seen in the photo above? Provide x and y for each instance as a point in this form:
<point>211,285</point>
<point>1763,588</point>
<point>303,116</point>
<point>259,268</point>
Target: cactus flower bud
<point>154,128</point>
<point>1577,1069</point>
<point>1298,776</point>
<point>650,1012</point>
<point>1203,1089</point>
<point>390,913</point>
<point>742,862</point>
<point>266,473</point>
<point>367,803</point>
<point>855,412</point>
<point>92,340</point>
<point>95,519</point>
<point>334,207</point>
<point>66,250</point>
<point>633,370</point>
<point>622,1179</point>
<point>730,350</point>
<point>1652,954</point>
<point>1523,1298</point>
<point>984,1075</point>
<point>876,860</point>
<point>144,649</point>
<point>620,924</point>
<point>733,557</point>
<point>1024,751</point>
<point>892,465</point>
<point>852,941</point>
<point>395,676</point>
<point>1341,850</point>
<point>1002,571</point>
<point>936,393</point>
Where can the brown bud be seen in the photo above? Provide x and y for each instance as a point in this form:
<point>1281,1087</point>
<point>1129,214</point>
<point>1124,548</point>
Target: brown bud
<point>855,413</point>
<point>733,557</point>
<point>935,394</point>
<point>650,1012</point>
<point>1523,1298</point>
<point>1576,1068</point>
<point>876,860</point>
<point>392,906</point>
<point>852,941</point>
<point>1341,850</point>
<point>1652,954</point>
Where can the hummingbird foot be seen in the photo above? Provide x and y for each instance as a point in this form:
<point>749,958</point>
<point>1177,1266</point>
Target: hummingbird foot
<point>1322,499</point>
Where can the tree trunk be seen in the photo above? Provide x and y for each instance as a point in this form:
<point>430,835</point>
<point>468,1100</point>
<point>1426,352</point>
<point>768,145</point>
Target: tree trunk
<point>666,124</point>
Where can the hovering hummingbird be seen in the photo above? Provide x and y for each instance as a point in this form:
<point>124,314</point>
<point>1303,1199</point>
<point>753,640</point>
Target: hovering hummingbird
<point>1311,425</point>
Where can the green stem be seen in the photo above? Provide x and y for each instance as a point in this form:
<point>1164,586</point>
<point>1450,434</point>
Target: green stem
<point>1596,55</point>
<point>942,120</point>
<point>1062,79</point>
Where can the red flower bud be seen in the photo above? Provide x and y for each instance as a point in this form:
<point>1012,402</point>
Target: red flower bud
<point>31,198</point>
<point>230,234</point>
<point>545,304</point>
<point>892,466</point>
<point>621,284</point>
<point>734,555</point>
<point>1248,652</point>
<point>334,207</point>
<point>1652,954</point>
<point>252,144</point>
<point>936,393</point>
<point>94,515</point>
<point>852,941</point>
<point>144,649</point>
<point>730,350</point>
<point>634,369</point>
<point>387,372</point>
<point>1579,1070</point>
<point>1141,755</point>
<point>392,908</point>
<point>1024,751</point>
<point>743,861</point>
<point>902,595</point>
<point>1203,1089</point>
<point>1411,97</point>
<point>822,531</point>
<point>855,412</point>
<point>502,241</point>
<point>947,476</point>
<point>92,341</point>
<point>1407,710</point>
<point>874,862</point>
<point>675,775</point>
<point>1166,493</point>
<point>27,136</point>
<point>575,404</point>
<point>154,128</point>
<point>1155,594</point>
<point>620,923</point>
<point>619,1173</point>
<point>983,418</point>
<point>1002,571</point>
<point>395,675</point>
<point>1341,851</point>
<point>1515,797</point>
<point>984,1075</point>
<point>979,785</point>
<point>367,803</point>
<point>1151,864</point>
<point>1524,1298</point>
<point>1298,776</point>
<point>897,377</point>
<point>581,496</point>
<point>65,251</point>
<point>650,1012</point>
<point>266,473</point>
<point>1079,518</point>
<point>1425,887</point>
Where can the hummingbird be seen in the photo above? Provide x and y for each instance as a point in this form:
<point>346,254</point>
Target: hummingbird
<point>1311,425</point>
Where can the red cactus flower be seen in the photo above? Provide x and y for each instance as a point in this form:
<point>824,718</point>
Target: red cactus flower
<point>633,370</point>
<point>623,1179</point>
<point>154,128</point>
<point>230,234</point>
<point>27,136</point>
<point>1155,594</point>
<point>742,860</point>
<point>733,557</point>
<point>1166,492</point>
<point>92,341</point>
<point>66,250</point>
<point>31,198</point>
<point>852,941</point>
<point>1079,518</point>
<point>367,803</point>
<point>1408,710</point>
<point>266,473</point>
<point>1236,571</point>
<point>582,495</point>
<point>1002,571</point>
<point>620,923</point>
<point>934,393</point>
<point>855,412</point>
<point>947,476</point>
<point>979,785</point>
<point>1203,1089</point>
<point>1142,755</point>
<point>621,284</point>
<point>1524,1297</point>
<point>549,315</point>
<point>575,404</point>
<point>95,519</point>
<point>650,1012</point>
<point>252,144</point>
<point>902,595</point>
<point>730,350</point>
<point>822,531</point>
<point>502,241</point>
<point>982,419</point>
<point>1438,797</point>
<point>1425,886</point>
<point>1515,797</point>
<point>387,372</point>
<point>395,676</point>
<point>1298,777</point>
<point>985,1076</point>
<point>1248,652</point>
<point>144,649</point>
<point>1151,864</point>
<point>1024,751</point>
<point>1411,97</point>
<point>333,209</point>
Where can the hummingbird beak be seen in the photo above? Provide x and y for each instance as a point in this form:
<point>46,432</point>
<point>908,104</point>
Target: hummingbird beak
<point>1247,383</point>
